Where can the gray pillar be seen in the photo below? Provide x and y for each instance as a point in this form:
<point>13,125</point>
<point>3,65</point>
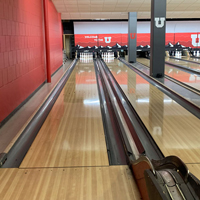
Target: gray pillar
<point>132,37</point>
<point>158,24</point>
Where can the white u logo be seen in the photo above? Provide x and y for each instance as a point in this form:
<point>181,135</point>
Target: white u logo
<point>194,40</point>
<point>162,22</point>
<point>107,39</point>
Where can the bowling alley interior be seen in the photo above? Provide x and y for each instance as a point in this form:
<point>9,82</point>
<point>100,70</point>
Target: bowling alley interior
<point>99,100</point>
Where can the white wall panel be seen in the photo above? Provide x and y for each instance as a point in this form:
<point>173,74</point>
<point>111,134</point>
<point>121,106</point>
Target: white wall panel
<point>142,27</point>
<point>100,27</point>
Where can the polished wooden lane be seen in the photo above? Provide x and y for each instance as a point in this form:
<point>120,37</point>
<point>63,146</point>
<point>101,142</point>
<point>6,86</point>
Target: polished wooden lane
<point>183,63</point>
<point>194,59</point>
<point>194,169</point>
<point>91,183</point>
<point>73,133</point>
<point>174,129</point>
<point>192,80</point>
<point>189,58</point>
<point>13,128</point>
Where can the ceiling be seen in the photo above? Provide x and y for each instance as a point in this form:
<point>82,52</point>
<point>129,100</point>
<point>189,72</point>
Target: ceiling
<point>118,9</point>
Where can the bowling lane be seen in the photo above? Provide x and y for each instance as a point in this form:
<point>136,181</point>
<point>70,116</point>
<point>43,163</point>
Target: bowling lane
<point>72,134</point>
<point>183,63</point>
<point>194,59</point>
<point>190,79</point>
<point>174,129</point>
<point>194,169</point>
<point>189,59</point>
<point>81,183</point>
<point>184,92</point>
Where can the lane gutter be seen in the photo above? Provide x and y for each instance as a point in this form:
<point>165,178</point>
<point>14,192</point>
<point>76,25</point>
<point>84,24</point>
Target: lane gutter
<point>188,87</point>
<point>115,147</point>
<point>16,154</point>
<point>140,134</point>
<point>198,63</point>
<point>194,109</point>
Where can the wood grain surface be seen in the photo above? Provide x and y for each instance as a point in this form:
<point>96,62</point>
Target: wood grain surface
<point>91,183</point>
<point>194,169</point>
<point>190,79</point>
<point>174,129</point>
<point>73,133</point>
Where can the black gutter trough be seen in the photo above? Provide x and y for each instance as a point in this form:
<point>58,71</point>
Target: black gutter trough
<point>183,67</point>
<point>149,145</point>
<point>14,157</point>
<point>115,147</point>
<point>198,63</point>
<point>194,109</point>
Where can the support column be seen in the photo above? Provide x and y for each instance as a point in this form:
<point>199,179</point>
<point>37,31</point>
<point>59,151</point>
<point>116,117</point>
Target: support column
<point>62,32</point>
<point>132,37</point>
<point>158,24</point>
<point>64,41</point>
<point>47,41</point>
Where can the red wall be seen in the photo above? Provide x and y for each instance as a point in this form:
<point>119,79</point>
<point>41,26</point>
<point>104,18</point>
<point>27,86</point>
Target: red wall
<point>22,59</point>
<point>55,38</point>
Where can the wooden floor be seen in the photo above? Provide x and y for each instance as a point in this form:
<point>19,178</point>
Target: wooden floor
<point>194,59</point>
<point>194,169</point>
<point>184,63</point>
<point>73,133</point>
<point>174,129</point>
<point>190,79</point>
<point>86,183</point>
<point>14,126</point>
<point>68,159</point>
<point>197,60</point>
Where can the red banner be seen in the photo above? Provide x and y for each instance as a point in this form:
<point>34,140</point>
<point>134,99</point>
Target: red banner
<point>185,39</point>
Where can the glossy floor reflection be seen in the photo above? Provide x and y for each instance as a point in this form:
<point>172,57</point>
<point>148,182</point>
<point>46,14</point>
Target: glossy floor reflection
<point>183,63</point>
<point>81,183</point>
<point>197,60</point>
<point>188,78</point>
<point>13,128</point>
<point>184,92</point>
<point>72,134</point>
<point>174,129</point>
